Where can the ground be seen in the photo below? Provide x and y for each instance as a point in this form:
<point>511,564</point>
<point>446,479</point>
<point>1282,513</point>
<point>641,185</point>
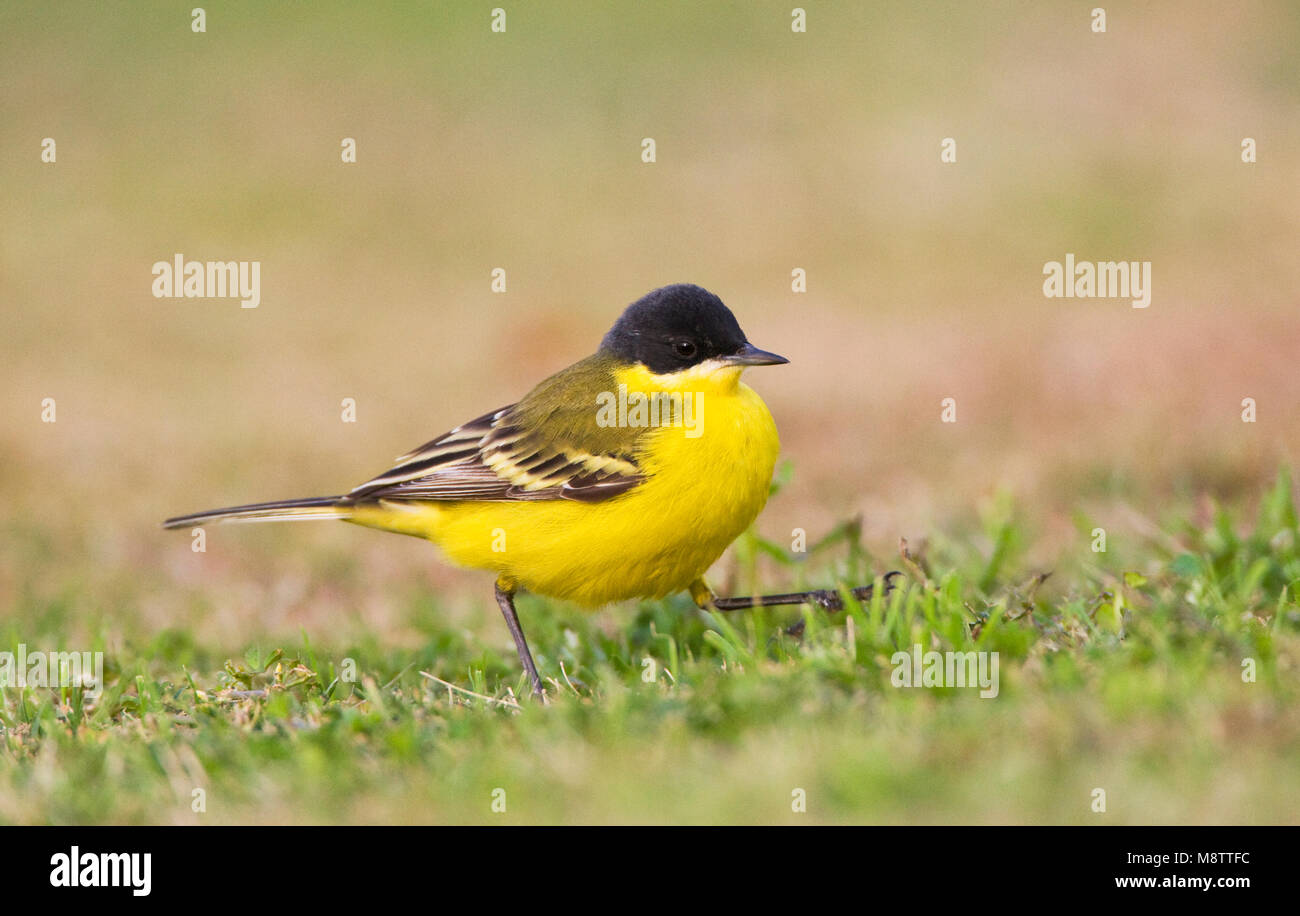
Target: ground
<point>1162,678</point>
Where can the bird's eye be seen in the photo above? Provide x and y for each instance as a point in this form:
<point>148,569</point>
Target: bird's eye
<point>684,348</point>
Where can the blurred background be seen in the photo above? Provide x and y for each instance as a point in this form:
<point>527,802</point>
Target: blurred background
<point>522,151</point>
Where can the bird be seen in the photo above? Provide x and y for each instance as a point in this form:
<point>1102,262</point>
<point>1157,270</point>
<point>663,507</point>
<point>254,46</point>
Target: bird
<point>625,475</point>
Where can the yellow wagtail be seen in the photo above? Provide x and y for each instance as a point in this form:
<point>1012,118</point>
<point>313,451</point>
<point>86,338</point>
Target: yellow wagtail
<point>625,475</point>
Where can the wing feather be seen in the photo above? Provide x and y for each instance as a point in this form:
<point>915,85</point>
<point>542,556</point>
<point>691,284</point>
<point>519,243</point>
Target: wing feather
<point>494,457</point>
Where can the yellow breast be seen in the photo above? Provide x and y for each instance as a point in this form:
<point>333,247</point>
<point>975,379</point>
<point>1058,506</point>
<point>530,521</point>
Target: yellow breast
<point>706,481</point>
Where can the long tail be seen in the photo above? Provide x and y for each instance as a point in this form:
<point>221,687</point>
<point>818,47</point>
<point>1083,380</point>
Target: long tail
<point>283,510</point>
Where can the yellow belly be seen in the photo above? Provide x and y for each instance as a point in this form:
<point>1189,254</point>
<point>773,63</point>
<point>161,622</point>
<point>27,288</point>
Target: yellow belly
<point>698,496</point>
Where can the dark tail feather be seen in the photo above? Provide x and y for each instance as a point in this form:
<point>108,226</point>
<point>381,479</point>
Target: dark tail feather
<point>280,511</point>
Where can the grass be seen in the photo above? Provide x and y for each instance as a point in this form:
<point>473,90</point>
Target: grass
<point>1128,678</point>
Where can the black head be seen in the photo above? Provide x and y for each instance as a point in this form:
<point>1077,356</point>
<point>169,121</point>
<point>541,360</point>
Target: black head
<point>680,326</point>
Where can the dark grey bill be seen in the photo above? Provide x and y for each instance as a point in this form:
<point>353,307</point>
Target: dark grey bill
<point>750,355</point>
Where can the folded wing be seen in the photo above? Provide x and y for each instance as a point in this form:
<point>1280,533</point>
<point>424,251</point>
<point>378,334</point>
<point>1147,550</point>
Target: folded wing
<point>499,456</point>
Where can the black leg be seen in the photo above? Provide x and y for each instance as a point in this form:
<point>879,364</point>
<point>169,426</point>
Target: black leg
<point>506,601</point>
<point>827,599</point>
